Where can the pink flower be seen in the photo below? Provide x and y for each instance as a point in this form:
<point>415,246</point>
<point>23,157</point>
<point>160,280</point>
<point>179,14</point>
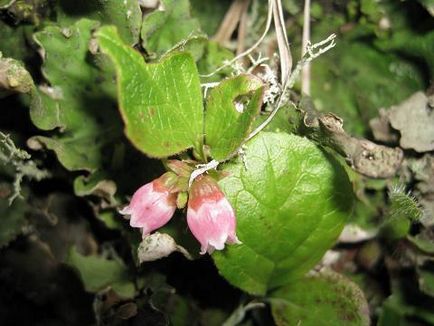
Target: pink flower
<point>152,205</point>
<point>210,216</point>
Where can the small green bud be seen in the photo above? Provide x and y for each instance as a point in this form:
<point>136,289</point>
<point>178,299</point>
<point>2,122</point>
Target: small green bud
<point>181,200</point>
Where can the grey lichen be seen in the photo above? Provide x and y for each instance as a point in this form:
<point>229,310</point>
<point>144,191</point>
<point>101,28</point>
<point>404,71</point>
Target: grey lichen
<point>21,161</point>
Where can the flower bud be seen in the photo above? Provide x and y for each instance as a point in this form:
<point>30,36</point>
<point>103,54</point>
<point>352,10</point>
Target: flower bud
<point>153,204</point>
<point>210,216</point>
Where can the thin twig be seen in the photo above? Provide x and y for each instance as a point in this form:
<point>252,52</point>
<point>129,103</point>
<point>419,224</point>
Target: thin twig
<point>230,22</point>
<point>312,52</point>
<point>329,43</point>
<point>253,47</point>
<point>207,86</point>
<point>256,62</point>
<point>271,116</point>
<point>282,41</point>
<point>242,27</point>
<point>305,73</point>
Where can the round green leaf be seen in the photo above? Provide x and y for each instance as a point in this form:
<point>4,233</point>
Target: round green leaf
<point>291,201</point>
<point>325,298</point>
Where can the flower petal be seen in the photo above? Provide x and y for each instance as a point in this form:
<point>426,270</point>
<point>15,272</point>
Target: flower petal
<point>151,207</point>
<point>210,216</point>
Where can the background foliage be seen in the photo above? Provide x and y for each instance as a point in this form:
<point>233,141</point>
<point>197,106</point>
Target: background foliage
<point>91,90</point>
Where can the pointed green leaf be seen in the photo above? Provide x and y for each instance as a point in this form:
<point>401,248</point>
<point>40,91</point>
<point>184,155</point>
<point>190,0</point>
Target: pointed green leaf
<point>291,201</point>
<point>231,108</point>
<point>161,103</point>
<point>164,28</point>
<point>325,298</point>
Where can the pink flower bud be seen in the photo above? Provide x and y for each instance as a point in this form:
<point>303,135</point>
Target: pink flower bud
<point>152,205</point>
<point>210,216</point>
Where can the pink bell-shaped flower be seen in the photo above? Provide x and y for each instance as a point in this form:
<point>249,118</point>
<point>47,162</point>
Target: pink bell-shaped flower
<point>210,216</point>
<point>153,204</point>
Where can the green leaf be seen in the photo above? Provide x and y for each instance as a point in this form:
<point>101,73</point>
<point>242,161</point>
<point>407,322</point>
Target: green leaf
<point>213,57</point>
<point>97,273</point>
<point>403,205</point>
<point>161,103</point>
<point>4,4</point>
<point>422,242</point>
<point>291,201</point>
<point>403,309</point>
<point>79,101</point>
<point>325,298</point>
<point>209,13</point>
<point>286,120</point>
<point>354,80</point>
<point>12,220</point>
<point>163,29</point>
<point>402,211</point>
<point>195,45</point>
<point>71,151</point>
<point>426,279</point>
<point>126,15</point>
<point>371,10</point>
<point>414,45</point>
<point>230,110</point>
<point>96,184</point>
<point>13,41</point>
